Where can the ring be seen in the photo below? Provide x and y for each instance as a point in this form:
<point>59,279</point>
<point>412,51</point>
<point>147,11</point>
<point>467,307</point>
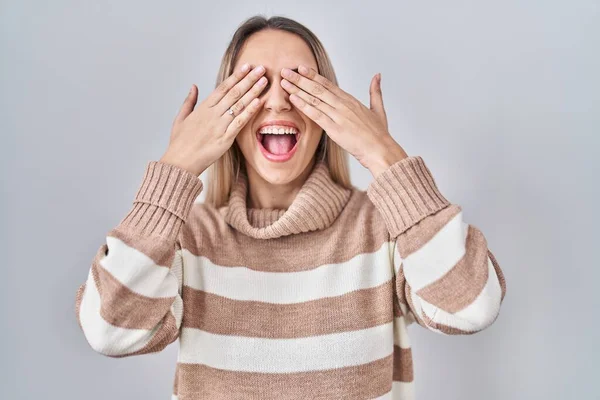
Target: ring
<point>230,112</point>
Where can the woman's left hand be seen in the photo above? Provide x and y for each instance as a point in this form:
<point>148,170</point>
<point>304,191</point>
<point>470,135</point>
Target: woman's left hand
<point>361,131</point>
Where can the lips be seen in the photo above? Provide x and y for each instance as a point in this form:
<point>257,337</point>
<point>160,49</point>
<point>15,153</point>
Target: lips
<point>277,142</point>
<point>278,122</point>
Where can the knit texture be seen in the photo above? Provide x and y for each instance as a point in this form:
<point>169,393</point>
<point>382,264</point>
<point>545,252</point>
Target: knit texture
<point>312,301</point>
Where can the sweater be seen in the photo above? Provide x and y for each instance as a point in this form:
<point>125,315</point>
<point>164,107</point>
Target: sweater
<point>308,302</point>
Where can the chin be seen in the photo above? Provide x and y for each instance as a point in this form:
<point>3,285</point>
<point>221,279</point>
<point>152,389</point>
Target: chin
<point>279,173</point>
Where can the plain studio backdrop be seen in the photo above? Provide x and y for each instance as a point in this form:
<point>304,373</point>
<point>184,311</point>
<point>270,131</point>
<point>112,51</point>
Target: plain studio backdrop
<point>501,99</point>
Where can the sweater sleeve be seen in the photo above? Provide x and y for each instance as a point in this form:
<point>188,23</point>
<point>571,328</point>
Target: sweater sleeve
<point>446,277</point>
<point>131,302</point>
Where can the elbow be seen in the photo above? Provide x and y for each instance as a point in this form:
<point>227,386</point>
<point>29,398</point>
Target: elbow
<point>478,315</point>
<point>104,337</point>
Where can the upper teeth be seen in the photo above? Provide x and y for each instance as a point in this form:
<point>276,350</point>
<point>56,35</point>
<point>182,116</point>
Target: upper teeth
<point>274,130</point>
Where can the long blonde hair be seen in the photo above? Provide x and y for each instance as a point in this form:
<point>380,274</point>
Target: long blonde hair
<point>223,172</point>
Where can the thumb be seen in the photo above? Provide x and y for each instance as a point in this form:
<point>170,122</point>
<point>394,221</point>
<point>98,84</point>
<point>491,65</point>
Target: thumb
<point>188,105</point>
<point>376,98</point>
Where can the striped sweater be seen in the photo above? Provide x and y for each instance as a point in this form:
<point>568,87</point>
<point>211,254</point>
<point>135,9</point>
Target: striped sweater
<point>308,302</point>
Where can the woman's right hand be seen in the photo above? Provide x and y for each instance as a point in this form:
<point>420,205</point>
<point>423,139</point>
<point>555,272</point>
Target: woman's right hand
<point>203,133</point>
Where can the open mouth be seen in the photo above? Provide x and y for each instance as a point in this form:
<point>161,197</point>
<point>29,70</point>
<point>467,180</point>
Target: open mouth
<point>278,146</point>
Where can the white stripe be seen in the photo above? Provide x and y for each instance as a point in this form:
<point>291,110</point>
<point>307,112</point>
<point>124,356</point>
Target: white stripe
<point>400,391</point>
<point>403,390</point>
<point>417,301</point>
<point>386,396</point>
<point>363,271</point>
<point>102,336</point>
<point>436,257</point>
<point>254,354</point>
<point>137,271</point>
<point>476,316</point>
<point>401,338</point>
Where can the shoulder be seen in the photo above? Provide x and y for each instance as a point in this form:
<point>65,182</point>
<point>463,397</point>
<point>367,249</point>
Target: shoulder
<point>361,220</point>
<point>203,222</point>
<point>361,209</point>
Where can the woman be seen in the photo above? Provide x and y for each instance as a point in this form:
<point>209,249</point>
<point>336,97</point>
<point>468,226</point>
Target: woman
<point>287,282</point>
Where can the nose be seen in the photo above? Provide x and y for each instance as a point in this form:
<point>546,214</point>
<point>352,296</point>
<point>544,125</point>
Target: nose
<point>276,97</point>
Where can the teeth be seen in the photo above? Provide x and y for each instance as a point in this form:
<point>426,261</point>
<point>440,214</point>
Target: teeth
<point>278,131</point>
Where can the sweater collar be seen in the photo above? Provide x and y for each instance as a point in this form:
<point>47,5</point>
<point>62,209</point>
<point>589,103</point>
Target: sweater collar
<point>317,204</point>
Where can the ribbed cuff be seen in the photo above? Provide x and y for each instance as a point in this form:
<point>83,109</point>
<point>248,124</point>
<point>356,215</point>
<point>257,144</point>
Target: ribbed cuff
<point>164,199</point>
<point>405,193</point>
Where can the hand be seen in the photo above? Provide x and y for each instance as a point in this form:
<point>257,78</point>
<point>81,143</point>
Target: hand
<point>201,135</point>
<point>361,131</point>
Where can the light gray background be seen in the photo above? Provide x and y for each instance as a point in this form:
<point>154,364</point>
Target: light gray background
<point>501,99</point>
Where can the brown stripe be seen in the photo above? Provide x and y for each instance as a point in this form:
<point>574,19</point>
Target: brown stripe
<point>461,285</point>
<point>176,380</point>
<point>499,273</point>
<point>364,381</point>
<point>423,231</point>
<point>166,334</point>
<point>400,282</point>
<point>426,322</point>
<point>359,309</point>
<point>403,364</point>
<point>397,309</point>
<point>124,308</point>
<point>160,250</point>
<point>207,234</point>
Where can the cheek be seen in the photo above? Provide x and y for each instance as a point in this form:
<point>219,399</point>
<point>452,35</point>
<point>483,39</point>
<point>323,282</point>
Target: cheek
<point>244,138</point>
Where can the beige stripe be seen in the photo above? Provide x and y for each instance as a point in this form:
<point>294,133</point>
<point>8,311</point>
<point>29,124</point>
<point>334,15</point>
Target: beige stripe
<point>118,301</point>
<point>461,285</point>
<point>422,232</point>
<point>360,309</point>
<point>403,364</point>
<point>160,250</point>
<point>364,381</point>
<point>205,233</point>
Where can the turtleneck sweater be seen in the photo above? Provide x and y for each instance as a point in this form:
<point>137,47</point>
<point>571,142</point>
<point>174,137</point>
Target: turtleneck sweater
<point>312,301</point>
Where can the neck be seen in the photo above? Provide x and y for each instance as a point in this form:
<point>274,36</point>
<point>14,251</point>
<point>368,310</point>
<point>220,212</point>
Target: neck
<point>264,194</point>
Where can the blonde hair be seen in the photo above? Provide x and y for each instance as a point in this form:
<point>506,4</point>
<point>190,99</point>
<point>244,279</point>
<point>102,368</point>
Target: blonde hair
<point>223,172</point>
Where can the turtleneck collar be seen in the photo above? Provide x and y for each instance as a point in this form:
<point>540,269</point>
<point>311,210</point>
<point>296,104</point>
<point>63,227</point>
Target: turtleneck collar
<point>317,204</point>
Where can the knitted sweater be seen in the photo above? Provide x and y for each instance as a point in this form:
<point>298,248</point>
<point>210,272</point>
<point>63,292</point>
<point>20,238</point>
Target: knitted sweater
<point>308,302</point>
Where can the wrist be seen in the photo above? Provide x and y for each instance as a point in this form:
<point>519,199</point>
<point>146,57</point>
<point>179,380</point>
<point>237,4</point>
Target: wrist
<point>166,159</point>
<point>386,158</point>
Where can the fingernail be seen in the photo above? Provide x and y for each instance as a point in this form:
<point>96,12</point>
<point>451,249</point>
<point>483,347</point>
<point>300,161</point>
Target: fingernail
<point>245,67</point>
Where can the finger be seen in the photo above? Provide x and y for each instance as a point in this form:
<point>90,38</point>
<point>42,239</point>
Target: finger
<point>188,105</point>
<point>376,98</point>
<point>315,114</point>
<point>254,92</point>
<point>239,90</point>
<point>317,85</point>
<point>223,88</point>
<point>236,125</point>
<point>325,108</point>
